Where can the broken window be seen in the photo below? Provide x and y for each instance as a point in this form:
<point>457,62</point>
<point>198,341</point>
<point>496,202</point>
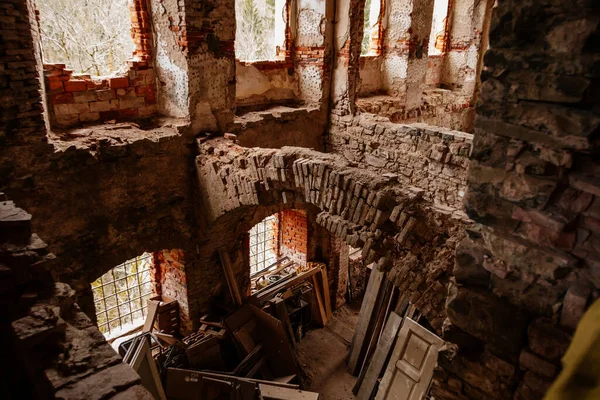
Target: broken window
<point>371,30</point>
<point>91,37</point>
<point>439,28</point>
<point>260,29</point>
<point>120,295</point>
<point>264,243</point>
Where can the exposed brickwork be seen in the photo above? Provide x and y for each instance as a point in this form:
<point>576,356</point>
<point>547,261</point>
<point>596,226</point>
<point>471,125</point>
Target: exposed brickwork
<point>73,100</point>
<point>294,235</point>
<point>171,281</point>
<point>434,159</point>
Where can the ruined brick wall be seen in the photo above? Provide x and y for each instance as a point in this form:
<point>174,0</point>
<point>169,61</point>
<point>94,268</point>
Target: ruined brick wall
<point>387,219</point>
<point>78,99</point>
<point>427,157</point>
<point>440,107</point>
<point>294,235</point>
<point>533,189</point>
<point>56,351</point>
<point>171,281</point>
<point>399,82</point>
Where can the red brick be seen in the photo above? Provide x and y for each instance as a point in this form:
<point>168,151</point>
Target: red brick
<point>120,82</point>
<point>55,85</point>
<point>75,85</point>
<point>147,90</point>
<point>62,98</point>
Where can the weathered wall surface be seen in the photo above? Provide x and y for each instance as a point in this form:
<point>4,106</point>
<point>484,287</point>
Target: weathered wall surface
<point>56,351</point>
<point>282,126</point>
<point>533,189</point>
<point>389,220</point>
<point>427,157</point>
<point>260,85</point>
<point>294,235</point>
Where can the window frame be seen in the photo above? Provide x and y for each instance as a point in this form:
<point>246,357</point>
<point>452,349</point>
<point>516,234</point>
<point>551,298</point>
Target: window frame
<point>376,42</point>
<point>275,221</point>
<point>134,292</point>
<point>285,61</point>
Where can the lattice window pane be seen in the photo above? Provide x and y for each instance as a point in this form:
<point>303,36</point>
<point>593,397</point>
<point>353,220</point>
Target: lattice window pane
<point>120,295</point>
<point>264,244</point>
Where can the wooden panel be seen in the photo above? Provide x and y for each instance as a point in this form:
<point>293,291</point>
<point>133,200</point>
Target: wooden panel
<point>410,370</point>
<point>269,392</point>
<point>381,356</point>
<point>368,313</point>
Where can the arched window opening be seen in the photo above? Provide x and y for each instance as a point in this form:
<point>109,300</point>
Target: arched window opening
<point>121,295</point>
<point>264,244</point>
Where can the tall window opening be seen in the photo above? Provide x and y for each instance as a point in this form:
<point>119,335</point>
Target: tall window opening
<point>371,29</point>
<point>264,244</point>
<point>260,29</point>
<point>121,295</point>
<point>92,37</point>
<point>439,28</point>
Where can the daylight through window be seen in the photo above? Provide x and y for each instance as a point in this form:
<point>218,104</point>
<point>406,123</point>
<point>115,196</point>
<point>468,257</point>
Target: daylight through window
<point>437,38</point>
<point>260,29</point>
<point>120,295</point>
<point>91,37</point>
<point>264,243</point>
<point>371,27</point>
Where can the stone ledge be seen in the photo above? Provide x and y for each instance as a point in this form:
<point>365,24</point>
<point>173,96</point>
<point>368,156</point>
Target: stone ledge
<point>92,137</point>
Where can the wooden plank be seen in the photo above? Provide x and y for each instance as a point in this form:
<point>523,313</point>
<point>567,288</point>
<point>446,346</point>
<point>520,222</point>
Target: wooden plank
<point>366,318</point>
<point>260,364</point>
<point>326,295</point>
<point>321,306</point>
<point>151,316</point>
<point>271,392</point>
<point>281,312</point>
<point>223,376</point>
<point>374,336</point>
<point>270,292</point>
<point>380,357</point>
<point>143,363</point>
<point>234,290</point>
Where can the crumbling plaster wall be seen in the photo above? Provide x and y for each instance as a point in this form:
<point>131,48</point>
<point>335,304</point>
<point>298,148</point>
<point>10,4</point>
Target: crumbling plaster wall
<point>265,86</point>
<point>399,77</point>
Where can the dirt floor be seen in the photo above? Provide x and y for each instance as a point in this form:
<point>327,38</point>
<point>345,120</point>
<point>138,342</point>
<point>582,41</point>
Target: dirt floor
<point>323,353</point>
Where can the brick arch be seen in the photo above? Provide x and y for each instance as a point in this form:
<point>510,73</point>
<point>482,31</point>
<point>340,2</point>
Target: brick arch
<point>391,222</point>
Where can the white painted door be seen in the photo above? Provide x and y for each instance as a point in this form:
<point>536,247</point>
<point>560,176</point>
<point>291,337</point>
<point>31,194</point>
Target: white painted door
<point>410,370</point>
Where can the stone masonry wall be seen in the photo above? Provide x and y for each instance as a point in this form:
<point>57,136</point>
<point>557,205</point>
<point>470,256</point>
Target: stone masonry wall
<point>428,157</point>
<point>533,258</point>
